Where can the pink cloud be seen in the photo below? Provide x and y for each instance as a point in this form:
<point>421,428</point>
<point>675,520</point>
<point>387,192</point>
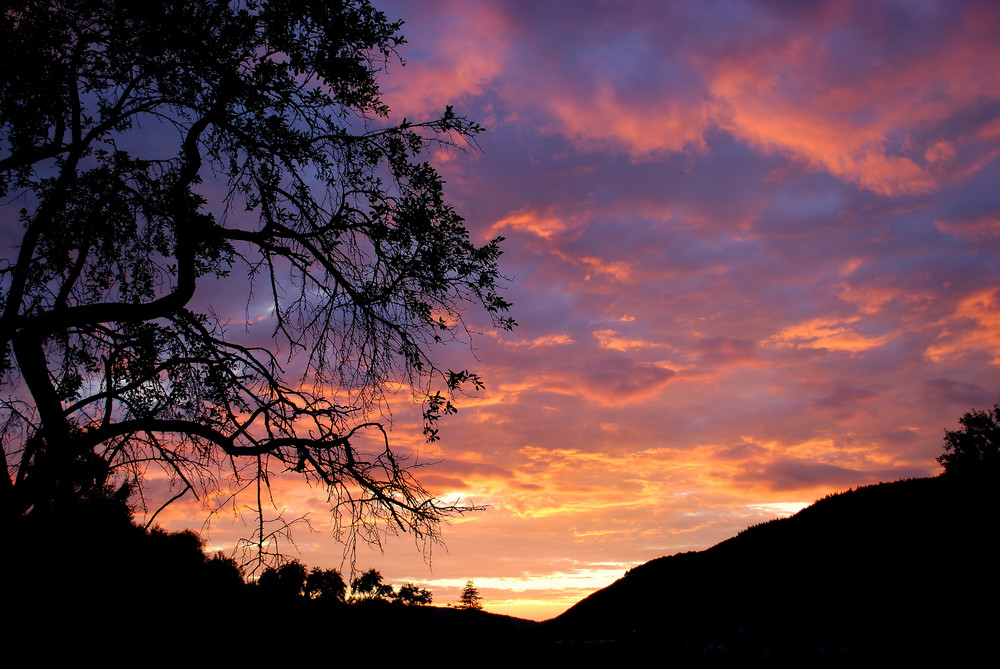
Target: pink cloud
<point>974,326</point>
<point>461,48</point>
<point>780,85</point>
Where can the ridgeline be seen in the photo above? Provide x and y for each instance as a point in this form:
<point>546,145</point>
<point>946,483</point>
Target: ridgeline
<point>904,569</point>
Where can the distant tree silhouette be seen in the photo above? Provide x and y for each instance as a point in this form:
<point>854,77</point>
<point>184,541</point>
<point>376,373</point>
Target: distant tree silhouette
<point>410,595</point>
<point>470,598</point>
<point>976,446</point>
<point>326,585</point>
<point>292,581</point>
<point>369,586</point>
<point>288,580</point>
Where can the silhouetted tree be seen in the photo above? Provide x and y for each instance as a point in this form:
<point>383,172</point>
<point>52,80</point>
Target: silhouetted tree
<point>410,595</point>
<point>326,585</point>
<point>148,151</point>
<point>288,580</point>
<point>369,586</point>
<point>976,446</point>
<point>470,598</point>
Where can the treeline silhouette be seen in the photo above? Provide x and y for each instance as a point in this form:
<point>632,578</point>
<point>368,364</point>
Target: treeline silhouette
<point>79,570</point>
<point>293,580</point>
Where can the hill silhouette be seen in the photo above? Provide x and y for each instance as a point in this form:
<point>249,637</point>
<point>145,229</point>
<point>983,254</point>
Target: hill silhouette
<point>900,569</point>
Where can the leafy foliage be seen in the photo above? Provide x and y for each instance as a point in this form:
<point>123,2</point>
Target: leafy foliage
<point>974,447</point>
<point>153,153</point>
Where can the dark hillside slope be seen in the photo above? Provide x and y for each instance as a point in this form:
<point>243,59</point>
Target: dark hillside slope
<point>901,568</point>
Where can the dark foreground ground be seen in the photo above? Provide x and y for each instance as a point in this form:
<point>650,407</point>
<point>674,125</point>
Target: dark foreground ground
<point>892,572</point>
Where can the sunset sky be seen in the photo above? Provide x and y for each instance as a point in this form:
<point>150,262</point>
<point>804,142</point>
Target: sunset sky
<point>753,251</point>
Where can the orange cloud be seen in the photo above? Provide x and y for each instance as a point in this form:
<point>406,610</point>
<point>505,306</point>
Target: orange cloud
<point>610,339</point>
<point>868,299</point>
<point>984,228</point>
<point>839,129</point>
<point>974,327</point>
<point>544,225</point>
<point>826,334</point>
<point>605,118</point>
<point>544,341</point>
<point>619,270</point>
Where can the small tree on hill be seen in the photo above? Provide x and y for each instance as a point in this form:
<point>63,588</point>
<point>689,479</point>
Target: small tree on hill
<point>976,446</point>
<point>470,599</point>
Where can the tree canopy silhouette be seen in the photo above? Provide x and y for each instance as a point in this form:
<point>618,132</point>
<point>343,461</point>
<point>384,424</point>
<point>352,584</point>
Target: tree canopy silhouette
<point>159,158</point>
<point>410,595</point>
<point>325,584</point>
<point>368,586</point>
<point>976,446</point>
